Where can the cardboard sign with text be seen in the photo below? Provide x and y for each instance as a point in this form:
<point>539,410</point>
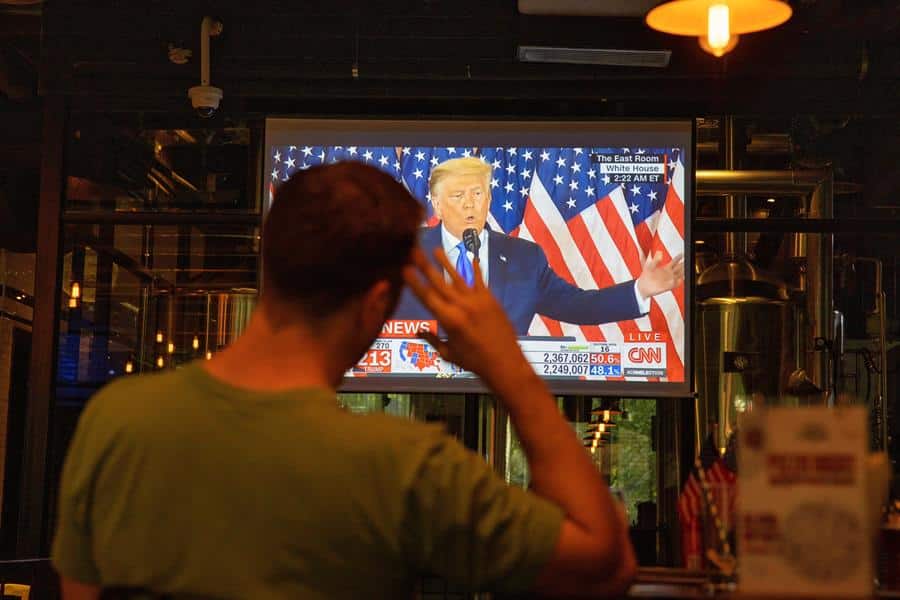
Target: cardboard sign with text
<point>802,508</point>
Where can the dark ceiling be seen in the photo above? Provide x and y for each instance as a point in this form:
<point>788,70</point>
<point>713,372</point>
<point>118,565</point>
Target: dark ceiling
<point>833,57</point>
<point>836,62</point>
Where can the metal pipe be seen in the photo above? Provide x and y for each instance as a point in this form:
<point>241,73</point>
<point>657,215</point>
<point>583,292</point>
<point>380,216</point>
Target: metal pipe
<point>792,183</point>
<point>735,203</point>
<point>881,311</point>
<point>820,283</point>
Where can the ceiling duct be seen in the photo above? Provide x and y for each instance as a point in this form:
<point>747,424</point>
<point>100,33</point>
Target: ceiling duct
<point>587,8</point>
<point>596,56</point>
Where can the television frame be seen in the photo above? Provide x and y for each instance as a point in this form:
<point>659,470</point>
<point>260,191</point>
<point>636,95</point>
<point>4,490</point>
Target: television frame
<point>493,132</point>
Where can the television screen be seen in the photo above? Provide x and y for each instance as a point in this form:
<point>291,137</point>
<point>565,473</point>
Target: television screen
<point>581,230</point>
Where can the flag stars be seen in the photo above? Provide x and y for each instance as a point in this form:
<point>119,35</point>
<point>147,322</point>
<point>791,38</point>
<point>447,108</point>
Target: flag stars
<point>511,169</point>
<point>351,150</point>
<point>576,168</point>
<point>467,153</point>
<point>527,155</point>
<point>545,155</point>
<point>495,164</point>
<point>451,150</point>
<point>513,151</point>
<point>526,174</point>
<point>605,179</point>
<point>405,151</point>
<point>652,196</point>
<point>509,187</point>
<point>289,163</point>
<point>523,191</point>
<point>579,151</point>
<point>322,156</point>
<point>307,151</point>
<point>558,180</point>
<point>275,174</point>
<point>291,149</point>
<point>589,191</point>
<point>417,173</point>
<point>367,155</point>
<point>635,190</point>
<point>561,162</point>
<point>383,161</point>
<point>573,185</point>
<point>396,165</point>
<point>434,161</point>
<point>626,151</point>
<point>420,156</point>
<point>592,173</point>
<point>507,206</point>
<point>571,203</point>
<point>277,156</point>
<point>494,183</point>
<point>641,151</point>
<point>634,208</point>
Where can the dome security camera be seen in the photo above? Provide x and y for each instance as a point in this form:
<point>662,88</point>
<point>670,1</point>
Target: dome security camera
<point>205,99</point>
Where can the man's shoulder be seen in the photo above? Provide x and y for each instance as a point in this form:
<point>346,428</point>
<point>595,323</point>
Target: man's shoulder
<point>430,236</point>
<point>513,245</point>
<point>394,431</point>
<point>132,395</point>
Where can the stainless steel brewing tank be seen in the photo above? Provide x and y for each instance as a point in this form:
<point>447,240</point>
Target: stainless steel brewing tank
<point>747,344</point>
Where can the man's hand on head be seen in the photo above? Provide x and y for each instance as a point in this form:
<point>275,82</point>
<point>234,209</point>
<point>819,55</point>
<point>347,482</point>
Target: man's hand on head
<point>657,278</point>
<point>479,336</point>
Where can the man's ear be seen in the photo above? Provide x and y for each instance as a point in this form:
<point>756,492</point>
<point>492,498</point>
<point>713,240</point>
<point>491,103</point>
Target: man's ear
<point>378,304</point>
<point>436,205</point>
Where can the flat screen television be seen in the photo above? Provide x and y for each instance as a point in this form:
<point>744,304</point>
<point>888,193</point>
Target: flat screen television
<point>563,216</point>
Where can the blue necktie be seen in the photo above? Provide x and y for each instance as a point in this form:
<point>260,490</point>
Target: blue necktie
<point>464,265</point>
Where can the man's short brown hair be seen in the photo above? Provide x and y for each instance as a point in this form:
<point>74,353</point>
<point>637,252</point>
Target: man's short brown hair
<point>332,232</point>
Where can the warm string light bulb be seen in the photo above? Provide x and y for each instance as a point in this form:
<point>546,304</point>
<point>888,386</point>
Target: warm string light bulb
<point>160,362</point>
<point>195,344</point>
<point>208,355</point>
<point>129,367</point>
<point>159,337</point>
<point>74,294</point>
<point>170,348</point>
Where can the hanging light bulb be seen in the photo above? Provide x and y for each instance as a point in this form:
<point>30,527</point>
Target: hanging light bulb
<point>718,40</point>
<point>718,23</point>
<point>170,348</point>
<point>74,294</point>
<point>606,416</point>
<point>159,337</point>
<point>129,366</point>
<point>160,362</point>
<point>208,355</point>
<point>195,344</point>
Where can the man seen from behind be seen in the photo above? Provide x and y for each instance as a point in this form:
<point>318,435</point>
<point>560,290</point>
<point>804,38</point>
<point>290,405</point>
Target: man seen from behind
<point>241,477</point>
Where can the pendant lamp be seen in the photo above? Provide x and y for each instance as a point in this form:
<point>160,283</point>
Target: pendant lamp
<point>718,23</point>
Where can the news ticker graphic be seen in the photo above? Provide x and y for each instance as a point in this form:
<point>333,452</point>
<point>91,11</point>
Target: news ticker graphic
<point>641,355</point>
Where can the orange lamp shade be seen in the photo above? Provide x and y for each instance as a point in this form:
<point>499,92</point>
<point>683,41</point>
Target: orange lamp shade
<point>691,17</point>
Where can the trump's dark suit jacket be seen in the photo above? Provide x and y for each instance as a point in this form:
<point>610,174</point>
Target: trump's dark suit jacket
<point>522,280</point>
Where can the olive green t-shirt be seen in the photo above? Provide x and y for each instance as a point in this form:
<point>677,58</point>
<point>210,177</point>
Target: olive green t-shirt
<point>182,484</point>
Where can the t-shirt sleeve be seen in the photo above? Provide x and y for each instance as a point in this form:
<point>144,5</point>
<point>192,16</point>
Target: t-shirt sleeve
<point>72,553</point>
<point>464,523</point>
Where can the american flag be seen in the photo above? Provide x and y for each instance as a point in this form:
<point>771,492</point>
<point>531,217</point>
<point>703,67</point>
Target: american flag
<point>595,231</point>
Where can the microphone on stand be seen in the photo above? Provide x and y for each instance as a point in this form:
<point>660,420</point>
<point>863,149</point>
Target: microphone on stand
<point>472,241</point>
